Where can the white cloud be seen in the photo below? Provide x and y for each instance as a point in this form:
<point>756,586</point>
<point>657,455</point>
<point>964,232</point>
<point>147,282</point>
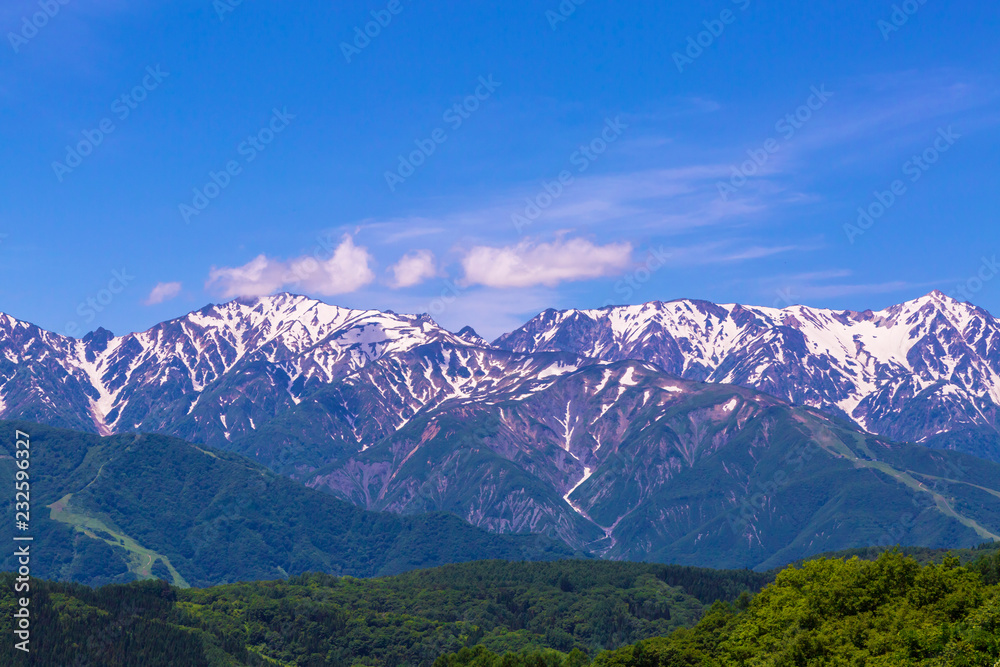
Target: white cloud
<point>162,292</point>
<point>528,264</point>
<point>347,270</point>
<point>258,277</point>
<point>413,268</point>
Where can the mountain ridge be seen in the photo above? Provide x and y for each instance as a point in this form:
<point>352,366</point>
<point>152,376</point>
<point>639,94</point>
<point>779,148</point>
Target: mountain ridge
<point>109,382</point>
<point>934,359</point>
<point>926,370</point>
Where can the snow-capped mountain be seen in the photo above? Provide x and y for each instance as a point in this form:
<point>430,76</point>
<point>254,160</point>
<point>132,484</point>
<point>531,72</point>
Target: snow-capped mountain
<point>183,375</point>
<point>909,372</point>
<point>925,370</point>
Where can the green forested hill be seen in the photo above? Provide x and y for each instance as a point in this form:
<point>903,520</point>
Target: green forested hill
<point>888,612</point>
<point>881,613</point>
<point>109,510</point>
<point>410,619</point>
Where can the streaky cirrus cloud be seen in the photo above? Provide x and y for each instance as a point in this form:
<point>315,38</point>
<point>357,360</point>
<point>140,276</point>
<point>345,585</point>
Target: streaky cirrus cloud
<point>528,263</point>
<point>348,269</point>
<point>413,268</point>
<point>801,288</point>
<point>162,292</point>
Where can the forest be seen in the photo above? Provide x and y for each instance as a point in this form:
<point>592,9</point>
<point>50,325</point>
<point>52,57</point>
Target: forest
<point>887,609</point>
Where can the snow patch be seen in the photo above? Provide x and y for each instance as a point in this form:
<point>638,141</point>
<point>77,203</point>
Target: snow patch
<point>587,472</point>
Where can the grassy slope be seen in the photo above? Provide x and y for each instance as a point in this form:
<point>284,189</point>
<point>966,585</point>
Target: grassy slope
<point>141,559</point>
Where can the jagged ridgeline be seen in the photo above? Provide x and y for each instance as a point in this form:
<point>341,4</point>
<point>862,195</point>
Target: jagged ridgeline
<point>889,611</point>
<point>925,370</point>
<point>117,508</point>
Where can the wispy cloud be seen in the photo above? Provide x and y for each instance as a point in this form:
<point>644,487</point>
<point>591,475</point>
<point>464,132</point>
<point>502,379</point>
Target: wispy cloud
<point>163,292</point>
<point>732,250</point>
<point>662,201</point>
<point>879,114</point>
<point>814,286</point>
<point>759,252</point>
<point>480,241</point>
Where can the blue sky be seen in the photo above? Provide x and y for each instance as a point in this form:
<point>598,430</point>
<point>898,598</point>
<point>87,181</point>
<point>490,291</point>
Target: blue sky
<point>651,134</point>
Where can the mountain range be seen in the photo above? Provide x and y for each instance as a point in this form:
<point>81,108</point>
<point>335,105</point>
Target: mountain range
<point>913,371</point>
<point>683,431</point>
